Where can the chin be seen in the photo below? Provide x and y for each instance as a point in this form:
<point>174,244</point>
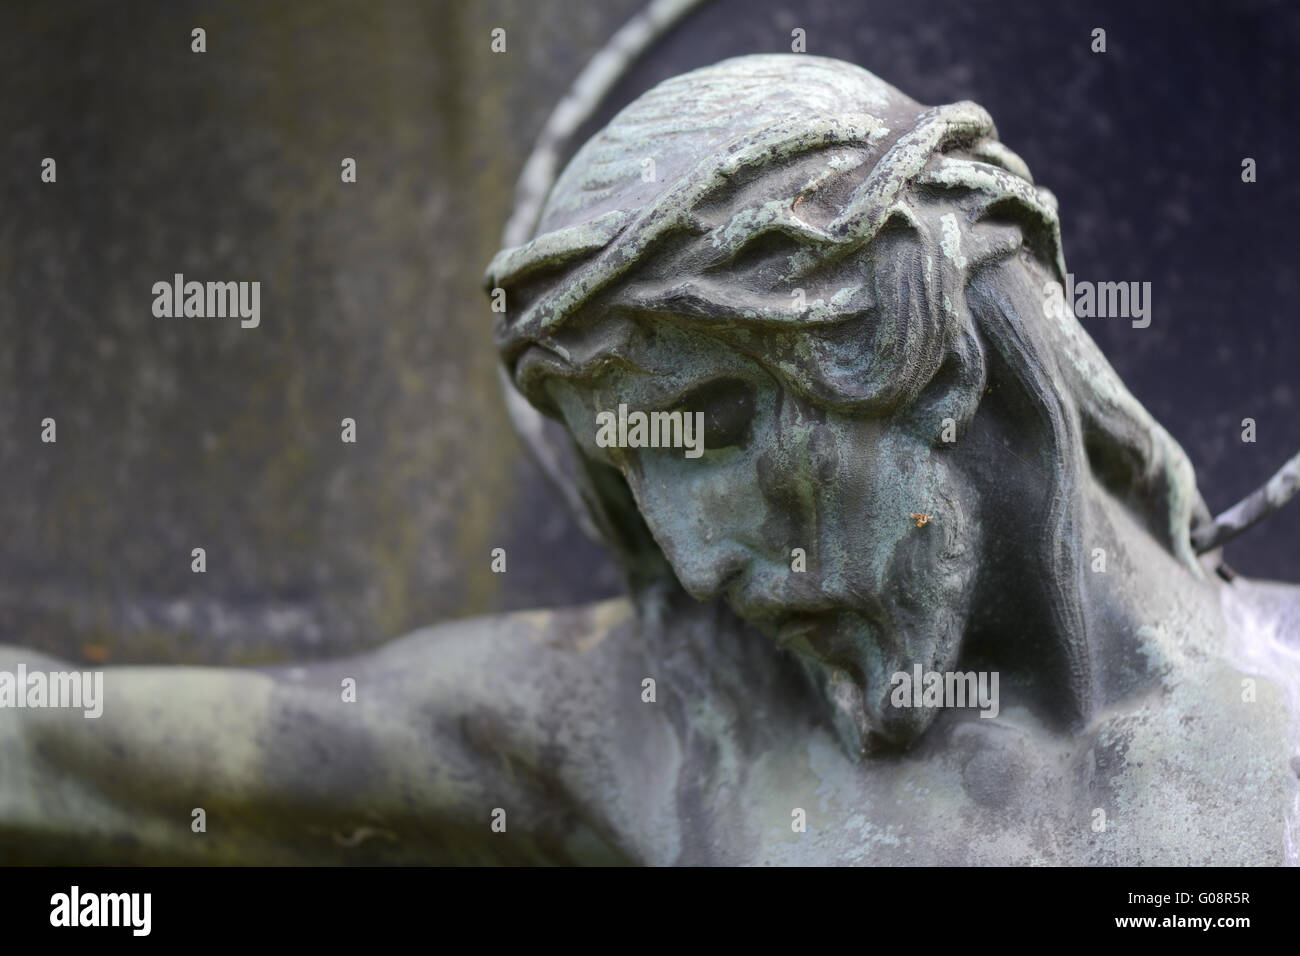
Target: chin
<point>888,726</point>
<point>856,661</point>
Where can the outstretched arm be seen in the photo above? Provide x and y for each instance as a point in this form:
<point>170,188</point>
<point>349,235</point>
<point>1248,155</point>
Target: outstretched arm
<point>402,755</point>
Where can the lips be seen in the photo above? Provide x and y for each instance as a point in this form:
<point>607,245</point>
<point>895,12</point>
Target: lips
<point>805,617</point>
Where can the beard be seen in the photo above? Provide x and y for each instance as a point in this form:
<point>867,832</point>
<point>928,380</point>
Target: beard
<point>912,610</point>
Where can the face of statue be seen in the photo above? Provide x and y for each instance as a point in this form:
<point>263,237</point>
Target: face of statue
<point>827,508</point>
<point>803,518</point>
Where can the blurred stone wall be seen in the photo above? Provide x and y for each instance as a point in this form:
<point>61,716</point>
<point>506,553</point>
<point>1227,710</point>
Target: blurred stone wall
<point>183,433</point>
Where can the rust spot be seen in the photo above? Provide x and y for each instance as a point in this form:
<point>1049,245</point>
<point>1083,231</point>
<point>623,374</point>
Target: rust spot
<point>921,519</point>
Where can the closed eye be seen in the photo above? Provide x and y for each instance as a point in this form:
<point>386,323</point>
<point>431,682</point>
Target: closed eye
<point>728,407</point>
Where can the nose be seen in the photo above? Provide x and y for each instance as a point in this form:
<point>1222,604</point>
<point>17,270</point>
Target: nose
<point>704,556</point>
<point>706,572</point>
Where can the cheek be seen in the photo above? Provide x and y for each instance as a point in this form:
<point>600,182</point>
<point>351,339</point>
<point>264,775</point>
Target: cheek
<point>871,540</point>
<point>801,479</point>
<point>933,566</point>
<point>700,502</point>
<point>717,499</point>
<point>840,489</point>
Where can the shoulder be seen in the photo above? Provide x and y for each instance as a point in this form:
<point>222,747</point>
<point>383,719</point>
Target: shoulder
<point>522,660</point>
<point>515,684</point>
<point>571,632</point>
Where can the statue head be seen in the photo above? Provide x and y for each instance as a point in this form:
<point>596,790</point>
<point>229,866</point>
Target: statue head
<point>899,433</point>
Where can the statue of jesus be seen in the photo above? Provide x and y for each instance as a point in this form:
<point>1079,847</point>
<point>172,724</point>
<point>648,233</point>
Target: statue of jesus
<point>936,588</point>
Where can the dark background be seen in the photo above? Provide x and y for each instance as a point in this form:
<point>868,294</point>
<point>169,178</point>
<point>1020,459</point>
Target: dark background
<point>175,434</point>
